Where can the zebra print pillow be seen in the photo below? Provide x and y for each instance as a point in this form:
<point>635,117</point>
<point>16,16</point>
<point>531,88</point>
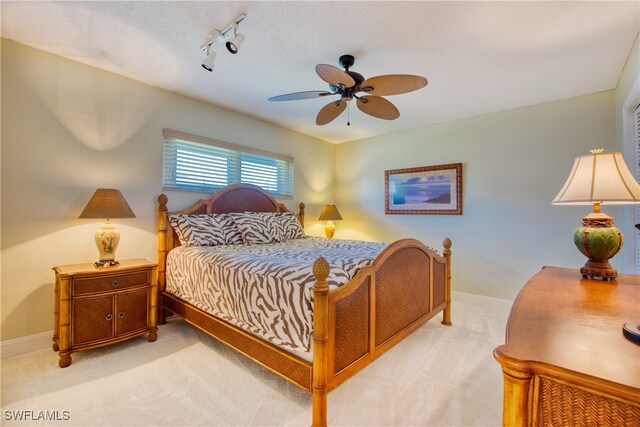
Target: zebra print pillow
<point>257,227</point>
<point>289,225</point>
<point>268,227</point>
<point>205,230</point>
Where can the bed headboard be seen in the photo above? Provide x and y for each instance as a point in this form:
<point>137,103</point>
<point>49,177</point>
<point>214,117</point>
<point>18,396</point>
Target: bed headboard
<point>234,198</point>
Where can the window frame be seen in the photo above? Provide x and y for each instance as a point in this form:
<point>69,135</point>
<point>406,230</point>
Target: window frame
<point>630,214</point>
<point>281,176</point>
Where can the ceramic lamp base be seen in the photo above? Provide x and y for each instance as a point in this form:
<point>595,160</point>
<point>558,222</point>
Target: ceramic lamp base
<point>329,229</point>
<point>598,269</point>
<point>599,241</point>
<point>107,239</point>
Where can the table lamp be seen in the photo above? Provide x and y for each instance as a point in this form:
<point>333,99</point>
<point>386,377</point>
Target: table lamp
<point>107,203</point>
<point>329,213</point>
<point>599,178</point>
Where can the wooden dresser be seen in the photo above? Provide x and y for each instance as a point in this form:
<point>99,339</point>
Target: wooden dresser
<point>100,306</point>
<point>566,361</point>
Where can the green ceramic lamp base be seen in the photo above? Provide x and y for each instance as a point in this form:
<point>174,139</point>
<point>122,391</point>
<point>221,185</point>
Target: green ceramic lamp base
<point>599,241</point>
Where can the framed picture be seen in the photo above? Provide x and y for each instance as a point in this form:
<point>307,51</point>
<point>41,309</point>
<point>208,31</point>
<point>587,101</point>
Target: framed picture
<point>427,190</point>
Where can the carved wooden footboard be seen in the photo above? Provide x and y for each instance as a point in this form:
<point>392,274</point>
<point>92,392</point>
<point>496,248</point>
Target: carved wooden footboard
<point>405,286</point>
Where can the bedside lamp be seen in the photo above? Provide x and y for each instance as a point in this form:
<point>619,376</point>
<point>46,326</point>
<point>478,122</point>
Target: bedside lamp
<point>599,178</point>
<point>329,213</point>
<point>107,203</point>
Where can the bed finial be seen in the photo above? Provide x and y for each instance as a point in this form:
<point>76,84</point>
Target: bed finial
<point>162,201</point>
<point>301,207</point>
<point>447,245</point>
<point>321,270</point>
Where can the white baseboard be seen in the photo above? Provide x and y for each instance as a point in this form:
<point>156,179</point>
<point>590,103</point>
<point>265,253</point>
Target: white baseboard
<point>481,300</point>
<point>14,347</point>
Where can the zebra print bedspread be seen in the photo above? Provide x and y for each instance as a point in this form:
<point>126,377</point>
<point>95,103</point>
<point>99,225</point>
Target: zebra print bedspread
<point>264,289</point>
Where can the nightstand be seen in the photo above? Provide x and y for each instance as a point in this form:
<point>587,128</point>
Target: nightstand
<point>100,306</point>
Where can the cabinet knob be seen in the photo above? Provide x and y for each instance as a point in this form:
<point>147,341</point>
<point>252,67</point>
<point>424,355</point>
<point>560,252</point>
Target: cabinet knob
<point>115,282</point>
<point>121,315</point>
<point>109,317</point>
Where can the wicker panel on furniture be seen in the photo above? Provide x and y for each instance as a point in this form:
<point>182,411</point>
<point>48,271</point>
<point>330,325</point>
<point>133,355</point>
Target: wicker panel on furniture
<point>92,320</point>
<point>129,317</point>
<point>564,405</point>
<point>352,343</point>
<point>401,299</point>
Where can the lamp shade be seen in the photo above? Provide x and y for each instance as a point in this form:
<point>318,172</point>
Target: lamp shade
<point>599,178</point>
<point>107,203</point>
<point>330,213</point>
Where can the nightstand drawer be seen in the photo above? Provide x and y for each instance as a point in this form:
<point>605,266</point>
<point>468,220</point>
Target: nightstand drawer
<point>109,283</point>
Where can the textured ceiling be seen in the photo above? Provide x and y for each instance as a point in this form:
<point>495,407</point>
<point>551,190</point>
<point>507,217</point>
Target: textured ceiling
<point>479,57</point>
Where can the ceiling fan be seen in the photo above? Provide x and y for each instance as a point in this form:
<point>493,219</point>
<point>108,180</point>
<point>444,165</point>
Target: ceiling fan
<point>350,85</point>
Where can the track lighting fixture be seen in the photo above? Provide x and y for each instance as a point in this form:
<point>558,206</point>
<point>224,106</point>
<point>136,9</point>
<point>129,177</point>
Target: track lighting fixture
<point>229,36</point>
<point>207,63</point>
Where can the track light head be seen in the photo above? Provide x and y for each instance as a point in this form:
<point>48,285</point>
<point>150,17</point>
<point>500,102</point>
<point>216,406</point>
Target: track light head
<point>233,45</point>
<point>207,63</point>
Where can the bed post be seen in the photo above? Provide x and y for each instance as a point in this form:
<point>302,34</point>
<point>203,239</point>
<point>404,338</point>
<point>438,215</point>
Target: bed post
<point>320,337</point>
<point>162,254</point>
<point>301,214</point>
<point>446,315</point>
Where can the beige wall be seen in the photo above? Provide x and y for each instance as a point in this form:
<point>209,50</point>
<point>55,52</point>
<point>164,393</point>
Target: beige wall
<point>68,129</point>
<point>514,163</point>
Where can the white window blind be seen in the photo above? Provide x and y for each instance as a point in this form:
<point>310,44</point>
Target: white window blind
<point>636,165</point>
<point>193,162</point>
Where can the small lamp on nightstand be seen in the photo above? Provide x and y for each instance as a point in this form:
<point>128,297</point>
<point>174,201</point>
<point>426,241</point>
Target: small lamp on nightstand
<point>329,213</point>
<point>596,179</point>
<point>107,203</point>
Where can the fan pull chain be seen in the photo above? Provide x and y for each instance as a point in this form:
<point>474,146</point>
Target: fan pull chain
<point>348,114</point>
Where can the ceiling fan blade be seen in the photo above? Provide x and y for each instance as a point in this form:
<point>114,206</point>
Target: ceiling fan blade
<point>330,112</point>
<point>393,84</point>
<point>334,75</point>
<point>379,107</point>
<point>300,95</point>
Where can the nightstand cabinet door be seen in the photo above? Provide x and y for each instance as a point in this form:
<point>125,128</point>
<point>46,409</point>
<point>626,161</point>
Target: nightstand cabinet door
<point>131,312</point>
<point>92,320</point>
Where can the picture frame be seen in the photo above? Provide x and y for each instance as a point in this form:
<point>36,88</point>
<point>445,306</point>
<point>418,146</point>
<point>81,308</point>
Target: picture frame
<point>426,190</point>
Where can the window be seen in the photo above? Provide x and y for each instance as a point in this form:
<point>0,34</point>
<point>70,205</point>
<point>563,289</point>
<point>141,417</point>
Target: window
<point>193,162</point>
<point>636,165</point>
<point>630,214</point>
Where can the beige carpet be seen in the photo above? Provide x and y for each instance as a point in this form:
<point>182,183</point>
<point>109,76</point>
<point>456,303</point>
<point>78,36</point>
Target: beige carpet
<point>438,376</point>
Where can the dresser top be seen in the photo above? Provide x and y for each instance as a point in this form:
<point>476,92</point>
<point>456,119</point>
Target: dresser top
<point>88,268</point>
<point>575,324</point>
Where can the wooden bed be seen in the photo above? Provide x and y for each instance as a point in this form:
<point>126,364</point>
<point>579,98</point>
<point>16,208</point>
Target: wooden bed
<point>406,285</point>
